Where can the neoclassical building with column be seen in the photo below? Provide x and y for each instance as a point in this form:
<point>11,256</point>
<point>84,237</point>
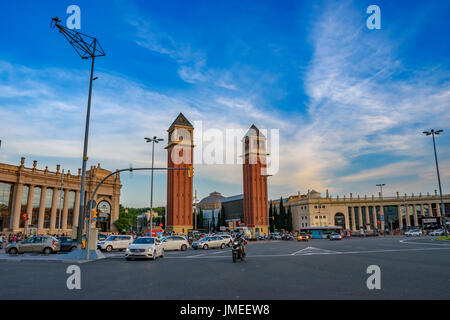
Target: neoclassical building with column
<point>33,200</point>
<point>400,212</point>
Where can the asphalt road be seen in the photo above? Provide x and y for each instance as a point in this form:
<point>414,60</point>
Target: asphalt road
<point>417,268</point>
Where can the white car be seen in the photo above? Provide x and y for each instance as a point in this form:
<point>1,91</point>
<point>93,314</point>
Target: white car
<point>413,232</point>
<point>210,242</point>
<point>174,243</point>
<point>145,247</point>
<point>115,243</point>
<point>438,232</point>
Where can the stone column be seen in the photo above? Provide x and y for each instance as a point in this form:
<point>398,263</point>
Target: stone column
<point>53,210</point>
<point>374,213</point>
<point>76,209</point>
<point>360,217</point>
<point>65,211</point>
<point>416,220</point>
<point>15,221</point>
<point>347,221</point>
<point>352,212</point>
<point>400,219</point>
<point>42,210</point>
<point>438,210</point>
<point>382,215</point>
<point>408,221</point>
<point>30,204</point>
<point>368,217</point>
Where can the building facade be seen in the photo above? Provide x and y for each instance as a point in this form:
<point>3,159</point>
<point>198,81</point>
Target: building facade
<point>179,185</point>
<point>401,212</point>
<point>255,181</point>
<point>211,206</point>
<point>40,202</point>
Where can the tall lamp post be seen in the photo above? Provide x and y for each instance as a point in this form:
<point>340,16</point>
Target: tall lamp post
<point>153,141</point>
<point>433,132</point>
<point>86,47</point>
<point>381,185</point>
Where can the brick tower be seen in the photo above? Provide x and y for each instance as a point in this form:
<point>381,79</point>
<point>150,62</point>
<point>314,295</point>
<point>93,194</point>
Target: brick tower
<point>179,184</point>
<point>255,182</point>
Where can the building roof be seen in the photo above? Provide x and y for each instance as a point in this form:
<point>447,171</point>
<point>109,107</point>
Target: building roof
<point>213,198</point>
<point>254,131</point>
<point>181,120</point>
<point>233,198</point>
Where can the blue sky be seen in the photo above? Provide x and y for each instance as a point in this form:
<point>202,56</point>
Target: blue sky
<point>350,103</point>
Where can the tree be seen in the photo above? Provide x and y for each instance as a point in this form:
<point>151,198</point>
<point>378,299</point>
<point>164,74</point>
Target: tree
<point>282,223</point>
<point>289,226</point>
<point>200,219</point>
<point>122,224</point>
<point>271,218</point>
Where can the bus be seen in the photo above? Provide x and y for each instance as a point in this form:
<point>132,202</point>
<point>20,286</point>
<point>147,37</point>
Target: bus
<point>322,232</point>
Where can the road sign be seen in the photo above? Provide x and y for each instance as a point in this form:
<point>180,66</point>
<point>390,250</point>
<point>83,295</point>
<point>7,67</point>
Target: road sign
<point>381,217</point>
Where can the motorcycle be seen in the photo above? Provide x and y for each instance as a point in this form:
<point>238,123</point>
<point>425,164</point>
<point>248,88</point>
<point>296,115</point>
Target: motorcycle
<point>237,251</point>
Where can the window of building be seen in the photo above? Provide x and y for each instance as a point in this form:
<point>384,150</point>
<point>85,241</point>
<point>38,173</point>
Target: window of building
<point>59,206</point>
<point>23,207</point>
<point>5,204</point>
<point>48,208</point>
<point>70,209</point>
<point>36,205</point>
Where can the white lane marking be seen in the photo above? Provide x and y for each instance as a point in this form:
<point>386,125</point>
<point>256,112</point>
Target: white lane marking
<point>343,252</point>
<point>206,254</point>
<point>408,241</point>
<point>312,250</point>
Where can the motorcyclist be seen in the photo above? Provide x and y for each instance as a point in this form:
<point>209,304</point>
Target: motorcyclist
<point>242,242</point>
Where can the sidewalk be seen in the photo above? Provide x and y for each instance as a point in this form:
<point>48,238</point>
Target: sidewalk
<point>72,257</point>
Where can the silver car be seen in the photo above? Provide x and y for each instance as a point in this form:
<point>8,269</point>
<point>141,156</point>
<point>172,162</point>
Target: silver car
<point>210,242</point>
<point>174,243</point>
<point>144,247</point>
<point>41,244</point>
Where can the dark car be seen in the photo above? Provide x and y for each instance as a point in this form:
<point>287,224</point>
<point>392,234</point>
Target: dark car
<point>287,236</point>
<point>67,244</point>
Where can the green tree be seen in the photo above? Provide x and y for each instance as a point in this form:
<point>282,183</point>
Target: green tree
<point>289,226</point>
<point>271,218</point>
<point>200,219</point>
<point>122,224</point>
<point>282,222</point>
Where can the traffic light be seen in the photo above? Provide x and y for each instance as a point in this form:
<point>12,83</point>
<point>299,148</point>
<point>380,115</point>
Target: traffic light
<point>93,216</point>
<point>191,171</point>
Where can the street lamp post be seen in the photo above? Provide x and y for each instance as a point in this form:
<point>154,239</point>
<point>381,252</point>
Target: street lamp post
<point>86,47</point>
<point>153,141</point>
<point>433,132</point>
<point>381,185</point>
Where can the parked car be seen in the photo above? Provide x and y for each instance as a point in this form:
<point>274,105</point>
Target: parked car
<point>303,236</point>
<point>437,232</point>
<point>335,236</point>
<point>210,242</point>
<point>119,242</point>
<point>287,236</point>
<point>144,247</point>
<point>44,244</point>
<point>67,243</point>
<point>174,243</point>
<point>275,236</point>
<point>413,233</point>
<point>102,237</point>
